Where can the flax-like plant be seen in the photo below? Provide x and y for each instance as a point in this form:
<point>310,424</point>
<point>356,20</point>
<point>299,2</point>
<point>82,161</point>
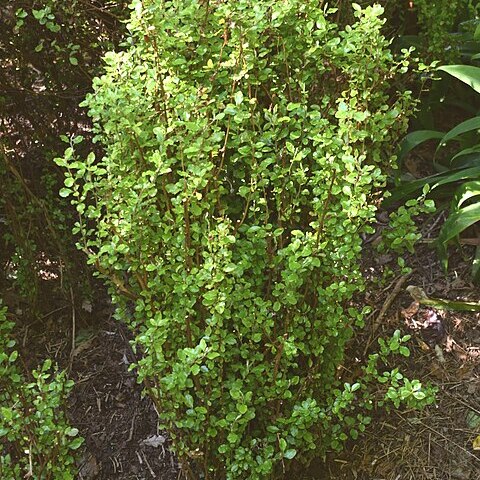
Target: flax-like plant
<point>461,169</point>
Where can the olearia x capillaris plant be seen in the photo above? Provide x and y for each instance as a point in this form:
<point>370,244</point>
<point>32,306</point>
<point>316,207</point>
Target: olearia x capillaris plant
<point>36,440</point>
<point>245,143</point>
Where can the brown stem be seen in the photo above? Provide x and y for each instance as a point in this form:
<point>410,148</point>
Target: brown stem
<point>114,279</point>
<point>162,87</point>
<point>324,211</point>
<point>287,72</point>
<point>278,357</point>
<point>139,148</point>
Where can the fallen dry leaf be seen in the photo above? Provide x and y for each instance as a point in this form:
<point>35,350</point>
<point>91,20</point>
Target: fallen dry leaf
<point>409,312</point>
<point>153,441</point>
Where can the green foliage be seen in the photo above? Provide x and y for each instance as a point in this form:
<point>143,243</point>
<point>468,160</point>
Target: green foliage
<point>244,147</point>
<point>35,438</point>
<point>461,169</point>
<point>433,27</point>
<point>399,389</point>
<point>445,99</point>
<point>437,20</point>
<point>66,31</point>
<point>26,219</point>
<point>352,405</point>
<point>50,51</point>
<point>18,246</point>
<point>471,76</point>
<point>402,232</point>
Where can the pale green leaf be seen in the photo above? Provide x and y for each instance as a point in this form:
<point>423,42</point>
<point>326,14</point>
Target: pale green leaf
<point>465,192</point>
<point>289,454</point>
<point>238,97</point>
<point>465,73</point>
<point>455,224</point>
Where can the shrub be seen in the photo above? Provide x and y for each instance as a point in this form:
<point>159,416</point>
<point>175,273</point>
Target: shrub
<point>437,21</point>
<point>35,439</point>
<point>245,143</point>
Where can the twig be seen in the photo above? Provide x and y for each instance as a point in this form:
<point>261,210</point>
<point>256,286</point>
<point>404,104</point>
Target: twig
<point>325,209</point>
<point>463,403</point>
<point>278,357</point>
<point>132,427</point>
<point>30,463</point>
<point>388,302</point>
<point>450,441</point>
<point>152,473</point>
<point>53,311</point>
<point>74,327</point>
<point>434,224</point>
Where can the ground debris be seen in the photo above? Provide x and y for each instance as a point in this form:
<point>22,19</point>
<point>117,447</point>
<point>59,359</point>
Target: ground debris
<point>118,423</point>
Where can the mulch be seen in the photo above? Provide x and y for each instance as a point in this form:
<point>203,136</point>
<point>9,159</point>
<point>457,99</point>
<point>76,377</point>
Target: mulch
<point>442,442</point>
<point>120,426</point>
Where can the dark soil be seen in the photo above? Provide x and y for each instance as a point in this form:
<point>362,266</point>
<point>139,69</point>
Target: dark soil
<point>120,427</point>
<point>122,439</point>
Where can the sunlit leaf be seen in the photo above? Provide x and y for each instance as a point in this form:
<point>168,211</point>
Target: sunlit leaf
<point>455,224</point>
<point>465,73</point>
<point>476,443</point>
<point>75,444</point>
<point>238,97</point>
<point>465,192</point>
<point>289,454</point>
<point>434,180</point>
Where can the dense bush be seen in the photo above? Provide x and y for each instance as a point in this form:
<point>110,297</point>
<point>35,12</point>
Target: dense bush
<point>35,439</point>
<point>430,26</point>
<point>245,144</point>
